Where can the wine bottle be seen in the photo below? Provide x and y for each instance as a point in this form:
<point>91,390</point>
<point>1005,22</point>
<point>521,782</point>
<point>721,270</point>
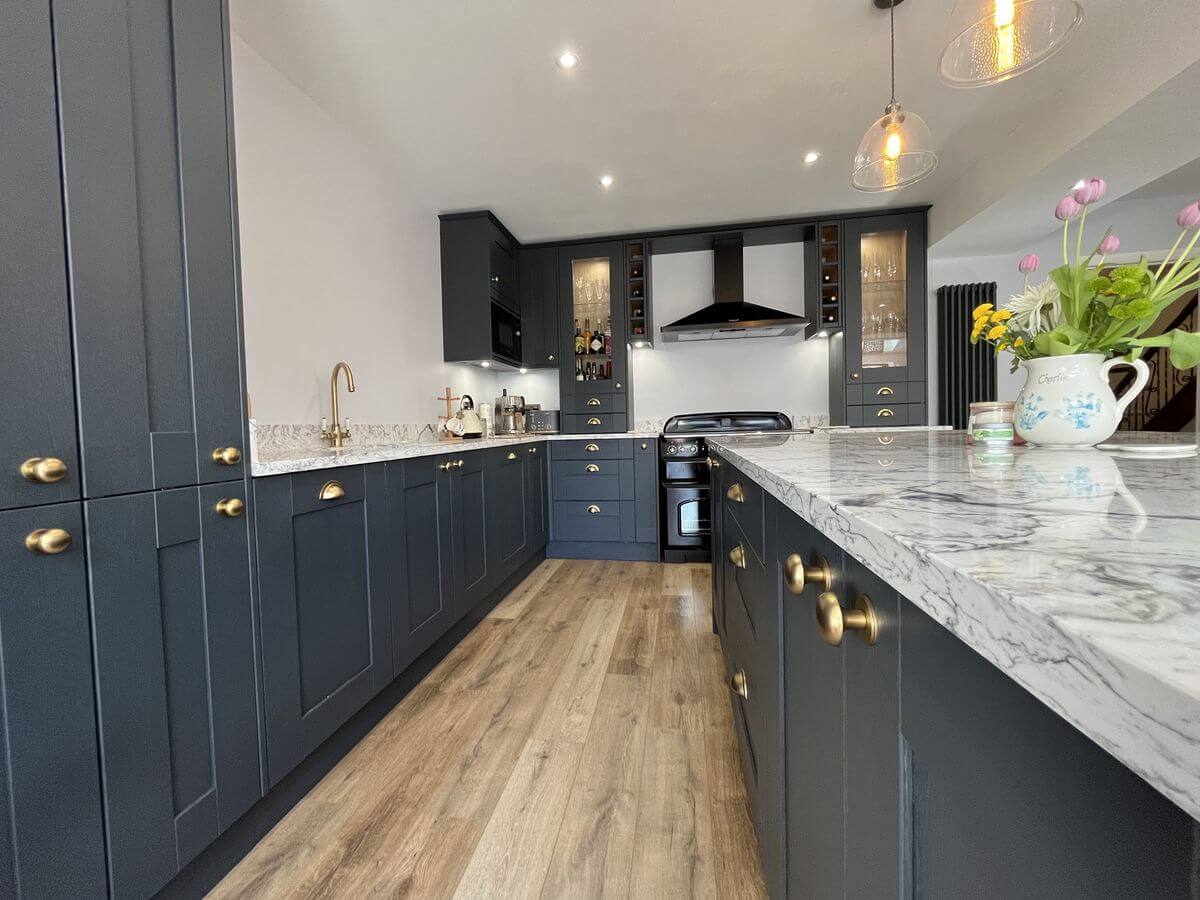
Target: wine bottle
<point>587,335</point>
<point>579,370</point>
<point>578,338</point>
<point>608,336</point>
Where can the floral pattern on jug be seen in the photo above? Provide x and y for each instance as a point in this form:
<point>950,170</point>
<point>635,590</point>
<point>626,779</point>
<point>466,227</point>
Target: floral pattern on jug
<point>1030,412</point>
<point>1081,410</point>
<point>1075,387</point>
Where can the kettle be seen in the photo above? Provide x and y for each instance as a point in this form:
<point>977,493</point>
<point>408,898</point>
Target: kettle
<point>466,423</point>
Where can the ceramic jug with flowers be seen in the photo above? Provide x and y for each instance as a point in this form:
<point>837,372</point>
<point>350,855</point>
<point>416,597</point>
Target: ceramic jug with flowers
<point>1069,331</point>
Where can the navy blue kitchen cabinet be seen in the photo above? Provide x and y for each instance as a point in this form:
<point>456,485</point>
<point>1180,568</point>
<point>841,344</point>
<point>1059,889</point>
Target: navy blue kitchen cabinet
<point>604,499</point>
<point>480,297</point>
<point>505,476</point>
<point>537,484</point>
<point>38,401</point>
<point>51,828</point>
<point>174,659</point>
<point>420,554</point>
<point>324,606</point>
<point>472,575</point>
<point>538,276</point>
<point>149,230</point>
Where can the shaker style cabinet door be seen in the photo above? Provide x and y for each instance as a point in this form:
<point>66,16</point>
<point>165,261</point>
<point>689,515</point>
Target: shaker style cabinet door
<point>472,572</point>
<point>537,498</point>
<point>174,658</point>
<point>322,569</point>
<point>38,400</point>
<point>151,262</point>
<point>51,831</point>
<point>507,509</point>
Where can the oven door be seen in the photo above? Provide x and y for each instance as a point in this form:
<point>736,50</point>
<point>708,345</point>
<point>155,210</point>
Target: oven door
<point>506,335</point>
<point>688,516</point>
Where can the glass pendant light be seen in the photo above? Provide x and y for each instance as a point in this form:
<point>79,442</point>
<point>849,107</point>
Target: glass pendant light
<point>994,40</point>
<point>897,149</point>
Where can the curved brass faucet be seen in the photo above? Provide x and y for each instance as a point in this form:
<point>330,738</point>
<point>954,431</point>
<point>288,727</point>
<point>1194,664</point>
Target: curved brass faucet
<point>337,434</point>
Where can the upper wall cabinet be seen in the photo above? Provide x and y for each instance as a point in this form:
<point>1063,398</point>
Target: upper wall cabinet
<point>481,310</point>
<point>149,229</point>
<point>539,307</point>
<point>38,400</point>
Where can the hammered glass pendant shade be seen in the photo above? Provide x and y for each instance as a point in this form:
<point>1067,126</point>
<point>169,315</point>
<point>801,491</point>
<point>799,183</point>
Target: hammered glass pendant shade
<point>994,40</point>
<point>896,151</point>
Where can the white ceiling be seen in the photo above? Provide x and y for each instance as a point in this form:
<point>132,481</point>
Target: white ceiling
<point>701,109</point>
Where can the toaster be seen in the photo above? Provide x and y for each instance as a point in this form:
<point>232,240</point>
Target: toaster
<point>541,421</point>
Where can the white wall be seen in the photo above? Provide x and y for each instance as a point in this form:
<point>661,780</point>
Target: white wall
<point>336,264</point>
<point>786,374</point>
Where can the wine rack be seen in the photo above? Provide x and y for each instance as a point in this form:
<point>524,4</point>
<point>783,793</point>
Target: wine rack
<point>637,262</point>
<point>829,244</point>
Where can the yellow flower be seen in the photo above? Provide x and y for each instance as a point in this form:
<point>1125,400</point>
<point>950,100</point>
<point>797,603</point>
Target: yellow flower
<point>978,329</point>
<point>1001,315</point>
<point>982,310</point>
<point>1019,342</point>
<point>996,332</point>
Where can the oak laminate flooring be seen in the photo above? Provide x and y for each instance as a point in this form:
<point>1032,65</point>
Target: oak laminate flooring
<point>578,743</point>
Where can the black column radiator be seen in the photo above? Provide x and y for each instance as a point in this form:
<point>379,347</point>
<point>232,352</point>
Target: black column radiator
<point>966,374</point>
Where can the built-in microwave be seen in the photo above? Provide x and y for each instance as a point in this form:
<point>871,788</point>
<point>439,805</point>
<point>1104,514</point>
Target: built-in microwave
<point>506,335</point>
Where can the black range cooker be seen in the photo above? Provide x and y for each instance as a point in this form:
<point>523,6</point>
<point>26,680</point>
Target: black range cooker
<point>683,476</point>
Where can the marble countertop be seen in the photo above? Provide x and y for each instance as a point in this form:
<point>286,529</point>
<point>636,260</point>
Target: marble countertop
<point>1076,572</point>
<point>281,461</point>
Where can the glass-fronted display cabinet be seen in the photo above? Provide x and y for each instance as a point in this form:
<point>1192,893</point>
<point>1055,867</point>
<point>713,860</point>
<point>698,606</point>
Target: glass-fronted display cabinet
<point>594,325</point>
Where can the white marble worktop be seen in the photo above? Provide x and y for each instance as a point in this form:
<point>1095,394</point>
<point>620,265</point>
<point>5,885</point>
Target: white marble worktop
<point>1076,572</point>
<point>283,460</point>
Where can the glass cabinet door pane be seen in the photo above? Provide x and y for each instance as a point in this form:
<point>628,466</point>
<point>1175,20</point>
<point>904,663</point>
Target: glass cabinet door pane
<point>884,299</point>
<point>591,292</point>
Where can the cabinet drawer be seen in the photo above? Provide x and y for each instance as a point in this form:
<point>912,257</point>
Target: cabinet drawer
<point>886,414</point>
<point>587,488</point>
<point>611,521</point>
<point>886,394</point>
<point>590,404</point>
<point>600,423</point>
<point>591,450</point>
<point>744,501</point>
<point>594,466</point>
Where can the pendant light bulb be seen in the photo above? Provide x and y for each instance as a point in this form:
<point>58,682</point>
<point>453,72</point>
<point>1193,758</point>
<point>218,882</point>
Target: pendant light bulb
<point>993,40</point>
<point>897,149</point>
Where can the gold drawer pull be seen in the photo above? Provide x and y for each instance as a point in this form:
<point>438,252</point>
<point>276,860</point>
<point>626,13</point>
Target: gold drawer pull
<point>591,468</point>
<point>331,490</point>
<point>797,576</point>
<point>512,455</point>
<point>44,469</point>
<point>884,391</point>
<point>446,466</point>
<point>592,448</point>
<point>737,556</point>
<point>230,508</point>
<point>593,402</point>
<point>593,510</point>
<point>735,493</point>
<point>48,541</point>
<point>594,421</point>
<point>739,684</point>
<point>459,463</point>
<point>227,456</point>
<point>833,621</point>
<point>884,413</point>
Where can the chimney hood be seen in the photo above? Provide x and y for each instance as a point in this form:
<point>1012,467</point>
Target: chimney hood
<point>729,316</point>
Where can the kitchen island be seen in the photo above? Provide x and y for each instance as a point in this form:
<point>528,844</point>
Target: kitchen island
<point>1073,573</point>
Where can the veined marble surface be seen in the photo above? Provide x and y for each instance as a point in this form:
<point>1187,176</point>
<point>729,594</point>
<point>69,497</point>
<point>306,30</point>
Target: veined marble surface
<point>1076,572</point>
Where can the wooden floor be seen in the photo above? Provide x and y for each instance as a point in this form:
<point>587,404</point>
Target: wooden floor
<point>578,743</point>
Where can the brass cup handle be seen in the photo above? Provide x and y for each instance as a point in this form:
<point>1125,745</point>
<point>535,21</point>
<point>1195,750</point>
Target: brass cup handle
<point>740,685</point>
<point>592,448</point>
<point>44,469</point>
<point>593,402</point>
<point>593,510</point>
<point>736,493</point>
<point>591,468</point>
<point>594,421</point>
<point>884,413</point>
<point>446,466</point>
<point>227,456</point>
<point>737,556</point>
<point>48,541</point>
<point>459,463</point>
<point>833,621</point>
<point>884,391</point>
<point>331,490</point>
<point>512,455</point>
<point>231,507</point>
<point>797,576</point>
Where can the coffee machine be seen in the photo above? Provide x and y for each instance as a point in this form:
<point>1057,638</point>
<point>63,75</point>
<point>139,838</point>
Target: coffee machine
<point>510,413</point>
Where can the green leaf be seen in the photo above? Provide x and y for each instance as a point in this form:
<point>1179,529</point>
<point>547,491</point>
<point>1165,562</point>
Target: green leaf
<point>1183,347</point>
<point>1062,341</point>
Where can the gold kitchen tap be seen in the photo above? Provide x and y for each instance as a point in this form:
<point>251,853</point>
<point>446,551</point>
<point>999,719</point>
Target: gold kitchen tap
<point>337,434</point>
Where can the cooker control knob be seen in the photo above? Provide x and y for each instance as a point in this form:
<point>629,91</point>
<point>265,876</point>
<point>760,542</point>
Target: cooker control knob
<point>672,449</point>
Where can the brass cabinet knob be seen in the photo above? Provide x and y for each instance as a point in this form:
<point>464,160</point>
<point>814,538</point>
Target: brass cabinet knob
<point>591,468</point>
<point>854,375</point>
<point>227,456</point>
<point>446,466</point>
<point>798,576</point>
<point>617,385</point>
<point>48,541</point>
<point>737,556</point>
<point>594,421</point>
<point>44,469</point>
<point>593,510</point>
<point>645,446</point>
<point>459,463</point>
<point>884,413</point>
<point>593,401</point>
<point>230,508</point>
<point>512,455</point>
<point>592,448</point>
<point>740,685</point>
<point>736,493</point>
<point>331,490</point>
<point>833,621</point>
<point>550,357</point>
<point>884,391</point>
<point>533,450</point>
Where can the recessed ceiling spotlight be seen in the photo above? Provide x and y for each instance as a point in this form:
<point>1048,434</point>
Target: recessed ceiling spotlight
<point>524,371</point>
<point>811,157</point>
<point>568,59</point>
<point>485,363</point>
<point>606,181</point>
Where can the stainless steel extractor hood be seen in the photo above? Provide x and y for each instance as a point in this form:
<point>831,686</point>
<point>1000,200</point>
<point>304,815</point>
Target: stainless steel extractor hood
<point>729,316</point>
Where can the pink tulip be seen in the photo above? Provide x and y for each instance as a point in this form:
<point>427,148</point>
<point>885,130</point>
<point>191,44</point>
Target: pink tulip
<point>1110,244</point>
<point>1189,216</point>
<point>1090,191</point>
<point>1067,208</point>
<point>1028,264</point>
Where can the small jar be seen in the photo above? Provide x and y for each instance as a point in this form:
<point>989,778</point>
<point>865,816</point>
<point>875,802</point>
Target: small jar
<point>991,422</point>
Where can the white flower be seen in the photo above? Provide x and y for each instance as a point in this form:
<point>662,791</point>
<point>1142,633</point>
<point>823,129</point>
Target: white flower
<point>1036,309</point>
